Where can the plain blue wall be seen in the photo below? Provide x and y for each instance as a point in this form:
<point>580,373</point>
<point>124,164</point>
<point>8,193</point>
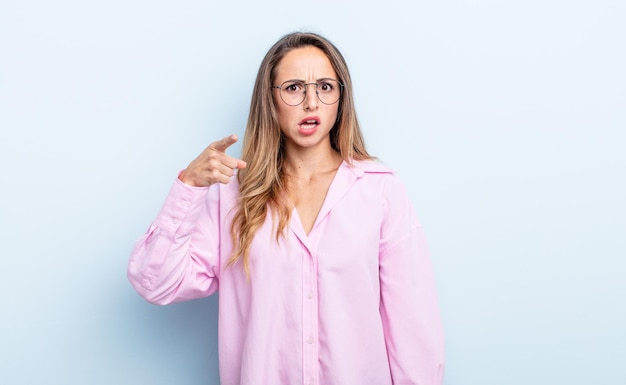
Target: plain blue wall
<point>506,119</point>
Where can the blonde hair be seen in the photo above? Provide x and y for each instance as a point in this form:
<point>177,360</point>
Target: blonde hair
<point>261,183</point>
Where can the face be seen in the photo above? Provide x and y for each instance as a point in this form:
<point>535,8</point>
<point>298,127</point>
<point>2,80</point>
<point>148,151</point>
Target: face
<point>308,124</point>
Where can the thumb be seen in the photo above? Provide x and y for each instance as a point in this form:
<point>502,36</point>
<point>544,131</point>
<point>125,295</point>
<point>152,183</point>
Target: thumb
<point>241,164</point>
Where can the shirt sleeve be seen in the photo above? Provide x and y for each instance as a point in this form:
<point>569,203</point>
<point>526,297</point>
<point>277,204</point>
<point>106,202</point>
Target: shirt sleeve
<point>409,308</point>
<point>177,258</point>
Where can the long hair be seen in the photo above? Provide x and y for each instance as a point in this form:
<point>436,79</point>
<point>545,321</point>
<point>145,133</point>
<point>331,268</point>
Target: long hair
<point>261,183</point>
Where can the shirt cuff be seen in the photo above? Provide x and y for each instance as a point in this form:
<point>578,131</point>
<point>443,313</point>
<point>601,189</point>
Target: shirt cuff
<point>182,205</point>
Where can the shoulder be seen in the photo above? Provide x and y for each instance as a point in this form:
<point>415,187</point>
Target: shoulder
<point>363,167</point>
<point>377,176</point>
<point>385,177</point>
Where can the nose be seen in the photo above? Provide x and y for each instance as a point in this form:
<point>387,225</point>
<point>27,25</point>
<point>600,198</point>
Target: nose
<point>310,96</point>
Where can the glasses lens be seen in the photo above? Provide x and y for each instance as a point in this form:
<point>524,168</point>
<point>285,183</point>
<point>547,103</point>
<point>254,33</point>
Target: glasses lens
<point>292,92</point>
<point>328,91</point>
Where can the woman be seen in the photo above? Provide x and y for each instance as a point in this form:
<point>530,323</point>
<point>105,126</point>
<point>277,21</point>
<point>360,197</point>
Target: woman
<point>322,269</point>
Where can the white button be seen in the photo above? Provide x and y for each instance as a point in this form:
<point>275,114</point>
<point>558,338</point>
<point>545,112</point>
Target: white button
<point>309,296</point>
<point>175,221</point>
<point>310,340</point>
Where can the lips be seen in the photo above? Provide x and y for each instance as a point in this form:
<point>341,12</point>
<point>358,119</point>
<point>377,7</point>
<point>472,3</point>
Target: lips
<point>308,125</point>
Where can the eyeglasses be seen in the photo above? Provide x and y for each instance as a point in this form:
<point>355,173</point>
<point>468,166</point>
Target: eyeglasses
<point>293,92</point>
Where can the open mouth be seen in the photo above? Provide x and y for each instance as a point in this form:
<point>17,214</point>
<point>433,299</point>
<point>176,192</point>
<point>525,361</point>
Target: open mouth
<point>309,123</point>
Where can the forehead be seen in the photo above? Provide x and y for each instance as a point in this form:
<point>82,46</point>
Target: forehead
<point>306,63</point>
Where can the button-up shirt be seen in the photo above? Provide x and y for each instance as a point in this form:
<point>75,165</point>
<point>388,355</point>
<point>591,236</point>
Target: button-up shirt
<point>352,302</point>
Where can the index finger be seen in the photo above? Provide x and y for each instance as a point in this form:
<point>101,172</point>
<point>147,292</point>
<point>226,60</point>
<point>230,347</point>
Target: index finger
<point>222,145</point>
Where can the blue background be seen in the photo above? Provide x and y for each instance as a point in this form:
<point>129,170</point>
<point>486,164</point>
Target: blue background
<point>506,119</point>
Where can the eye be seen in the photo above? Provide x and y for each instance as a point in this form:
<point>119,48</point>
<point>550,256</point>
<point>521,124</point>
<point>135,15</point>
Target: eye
<point>326,86</point>
<point>292,87</point>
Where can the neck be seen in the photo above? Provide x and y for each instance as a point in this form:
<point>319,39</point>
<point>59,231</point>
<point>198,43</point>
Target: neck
<point>307,165</point>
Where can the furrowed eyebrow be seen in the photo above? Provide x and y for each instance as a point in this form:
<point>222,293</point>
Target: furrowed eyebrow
<point>303,81</point>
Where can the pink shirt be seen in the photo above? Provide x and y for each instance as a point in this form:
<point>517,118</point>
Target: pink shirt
<point>353,302</point>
